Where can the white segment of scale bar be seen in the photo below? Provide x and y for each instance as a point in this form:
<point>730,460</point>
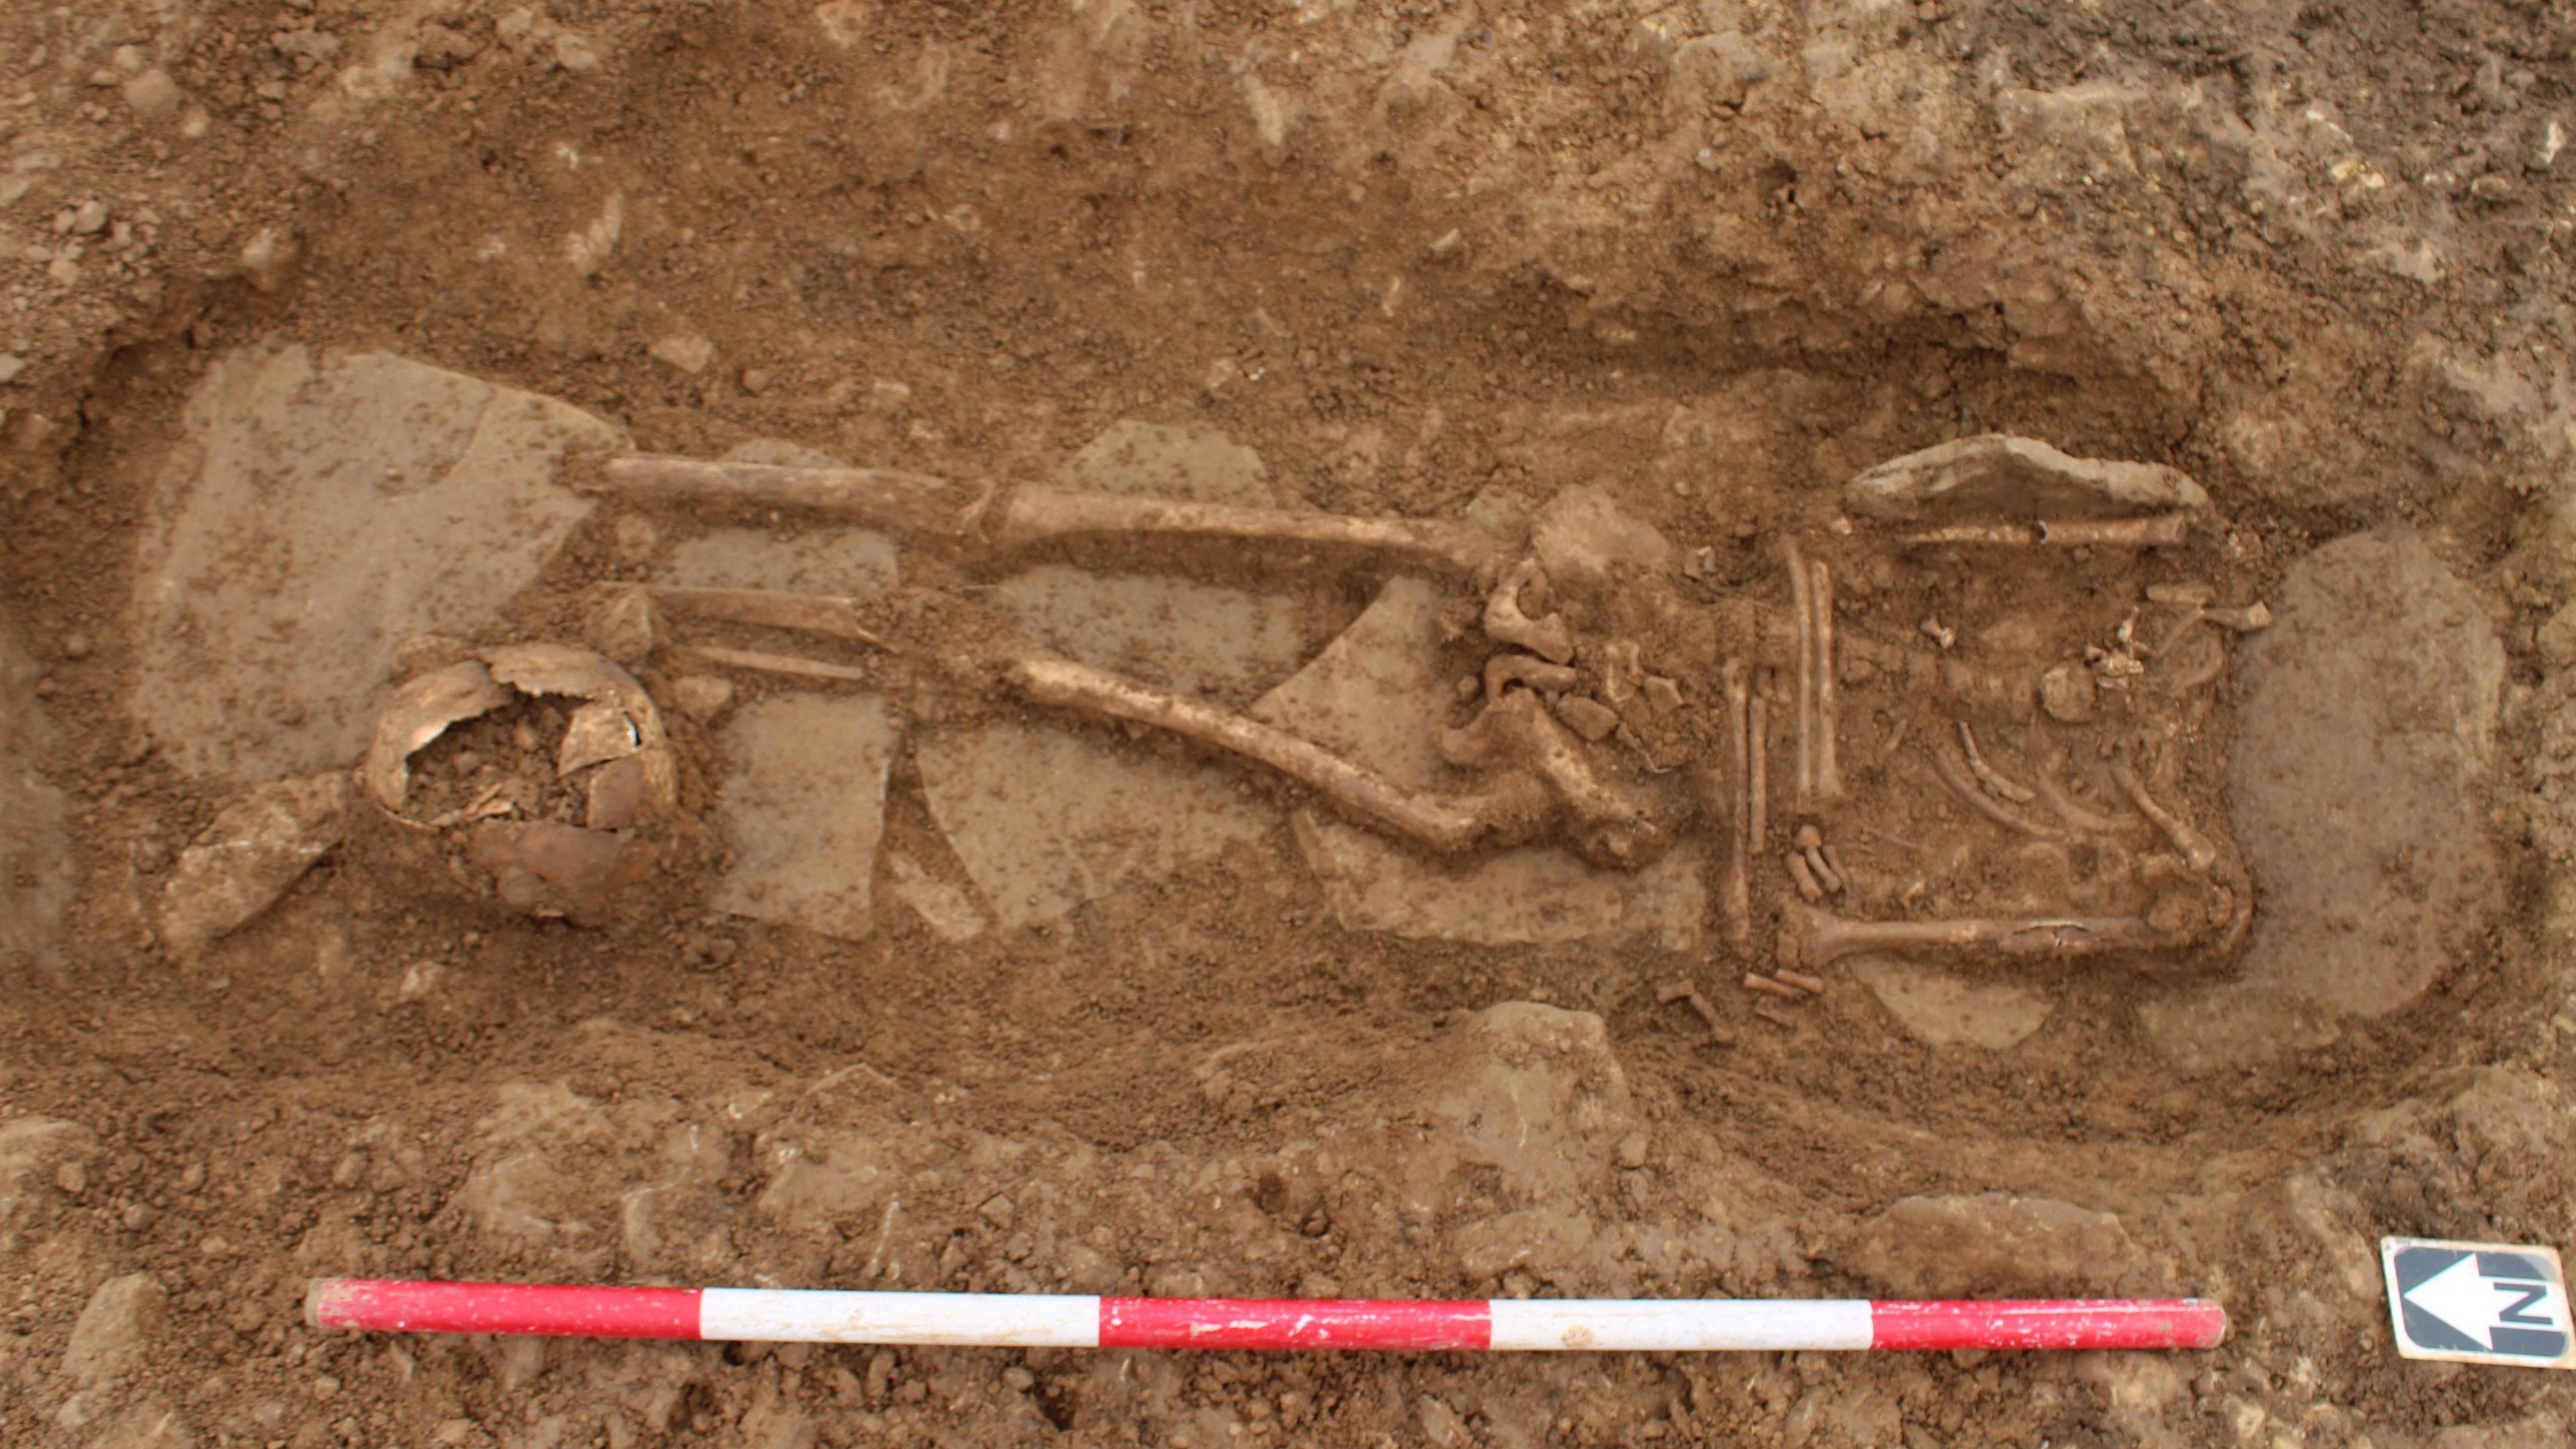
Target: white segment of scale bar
<point>1597,1324</point>
<point>1034,1320</point>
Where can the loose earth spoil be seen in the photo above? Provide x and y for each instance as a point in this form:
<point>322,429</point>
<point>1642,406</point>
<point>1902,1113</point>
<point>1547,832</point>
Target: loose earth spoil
<point>2144,432</point>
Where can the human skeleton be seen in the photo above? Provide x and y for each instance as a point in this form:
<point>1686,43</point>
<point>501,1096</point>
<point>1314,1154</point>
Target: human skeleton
<point>1618,705</point>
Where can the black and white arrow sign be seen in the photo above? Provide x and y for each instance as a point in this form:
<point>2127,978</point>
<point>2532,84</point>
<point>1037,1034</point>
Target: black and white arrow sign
<point>2478,1302</point>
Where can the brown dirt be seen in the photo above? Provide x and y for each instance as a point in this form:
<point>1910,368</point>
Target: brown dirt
<point>2315,256</point>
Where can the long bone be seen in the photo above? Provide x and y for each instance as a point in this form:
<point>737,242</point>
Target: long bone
<point>1819,938</point>
<point>1802,605</point>
<point>917,502</point>
<point>1515,808</point>
<point>1829,770</point>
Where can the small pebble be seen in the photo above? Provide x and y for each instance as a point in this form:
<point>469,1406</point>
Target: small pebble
<point>76,645</point>
<point>1020,1379</point>
<point>72,1178</point>
<point>90,218</point>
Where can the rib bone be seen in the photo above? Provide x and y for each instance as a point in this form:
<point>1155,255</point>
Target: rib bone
<point>1819,938</point>
<point>1987,775</point>
<point>810,613</point>
<point>1986,805</point>
<point>2194,846</point>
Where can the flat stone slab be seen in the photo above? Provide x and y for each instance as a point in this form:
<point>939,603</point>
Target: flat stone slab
<point>1161,461</point>
<point>804,810</point>
<point>1942,1008</point>
<point>1376,695</point>
<point>1045,820</point>
<point>1206,640</point>
<point>808,560</point>
<point>1203,640</point>
<point>2369,719</point>
<point>318,511</point>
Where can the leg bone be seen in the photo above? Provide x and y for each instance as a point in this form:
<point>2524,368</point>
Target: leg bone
<point>1517,808</point>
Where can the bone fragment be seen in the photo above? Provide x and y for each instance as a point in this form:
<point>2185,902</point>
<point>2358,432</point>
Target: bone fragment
<point>1987,775</point>
<point>1737,892</point>
<point>787,664</point>
<point>420,711</point>
<point>1809,888</point>
<point>1755,981</point>
<point>1505,670</point>
<point>1587,717</point>
<point>1513,810</point>
<point>2247,620</point>
<point>823,614</point>
<point>877,497</point>
<point>1812,985</point>
<point>1816,938</point>
<point>1823,868</point>
<point>1780,1019</point>
<point>2152,531</point>
<point>1718,1033</point>
<point>1548,638</point>
<point>2194,846</point>
<point>1829,770</point>
<point>1802,604</point>
<point>1039,515</point>
<point>1986,805</point>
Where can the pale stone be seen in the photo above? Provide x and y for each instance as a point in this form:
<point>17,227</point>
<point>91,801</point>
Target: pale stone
<point>1160,461</point>
<point>804,809</point>
<point>1942,1008</point>
<point>1992,1245</point>
<point>1045,820</point>
<point>2368,725</point>
<point>246,858</point>
<point>319,511</point>
<point>115,1331</point>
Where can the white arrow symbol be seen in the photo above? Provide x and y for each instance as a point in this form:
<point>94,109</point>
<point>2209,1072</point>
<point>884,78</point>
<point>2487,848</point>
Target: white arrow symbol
<point>2460,1297</point>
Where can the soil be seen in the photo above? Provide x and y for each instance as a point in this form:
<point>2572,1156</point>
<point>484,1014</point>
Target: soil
<point>1427,259</point>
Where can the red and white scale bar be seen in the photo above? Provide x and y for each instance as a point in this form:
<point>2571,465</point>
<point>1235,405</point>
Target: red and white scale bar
<point>1009,1320</point>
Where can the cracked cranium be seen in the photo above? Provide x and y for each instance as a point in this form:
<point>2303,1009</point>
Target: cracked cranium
<point>553,811</point>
